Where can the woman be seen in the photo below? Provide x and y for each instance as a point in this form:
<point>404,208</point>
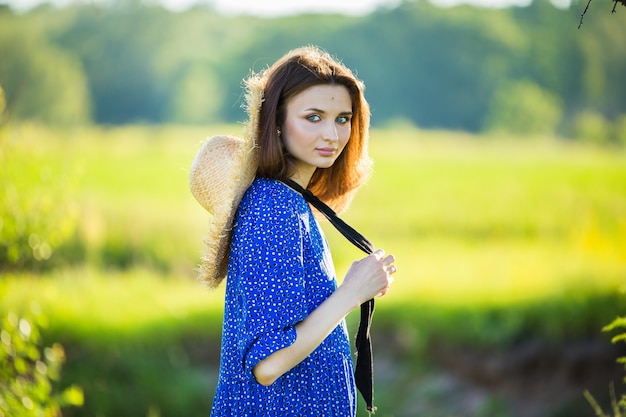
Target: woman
<point>285,348</point>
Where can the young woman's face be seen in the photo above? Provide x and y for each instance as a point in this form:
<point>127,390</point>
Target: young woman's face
<point>317,127</point>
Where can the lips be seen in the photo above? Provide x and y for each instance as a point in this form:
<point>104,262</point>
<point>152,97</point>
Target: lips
<point>326,151</point>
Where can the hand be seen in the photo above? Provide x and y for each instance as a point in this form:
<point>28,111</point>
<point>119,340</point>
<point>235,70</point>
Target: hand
<point>370,276</point>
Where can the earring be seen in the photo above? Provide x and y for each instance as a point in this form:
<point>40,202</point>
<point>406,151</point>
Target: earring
<point>278,132</point>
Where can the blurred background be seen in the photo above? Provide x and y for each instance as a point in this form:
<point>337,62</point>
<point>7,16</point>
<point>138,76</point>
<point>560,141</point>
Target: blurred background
<point>499,140</point>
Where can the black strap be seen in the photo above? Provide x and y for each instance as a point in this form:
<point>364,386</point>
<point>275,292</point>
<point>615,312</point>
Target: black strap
<point>364,371</point>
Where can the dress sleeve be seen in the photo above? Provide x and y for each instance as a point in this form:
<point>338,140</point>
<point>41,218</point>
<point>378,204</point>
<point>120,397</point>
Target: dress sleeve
<point>272,282</point>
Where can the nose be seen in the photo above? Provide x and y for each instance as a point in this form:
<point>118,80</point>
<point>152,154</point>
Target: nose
<point>330,133</point>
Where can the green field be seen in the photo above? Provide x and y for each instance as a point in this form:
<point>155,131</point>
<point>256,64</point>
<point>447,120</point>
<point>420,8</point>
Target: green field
<point>497,240</point>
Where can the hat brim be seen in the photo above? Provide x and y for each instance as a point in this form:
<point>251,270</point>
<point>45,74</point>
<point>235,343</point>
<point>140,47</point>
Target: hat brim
<point>220,174</point>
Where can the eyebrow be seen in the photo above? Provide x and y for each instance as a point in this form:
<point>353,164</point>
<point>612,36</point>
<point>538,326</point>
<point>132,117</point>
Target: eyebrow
<point>316,110</point>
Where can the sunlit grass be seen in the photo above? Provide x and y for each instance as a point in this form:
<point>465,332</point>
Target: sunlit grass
<point>452,274</point>
<point>115,307</point>
<point>476,220</point>
<point>497,240</point>
<point>471,220</point>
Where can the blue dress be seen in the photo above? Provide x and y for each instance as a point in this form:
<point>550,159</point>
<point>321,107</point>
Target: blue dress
<point>279,271</point>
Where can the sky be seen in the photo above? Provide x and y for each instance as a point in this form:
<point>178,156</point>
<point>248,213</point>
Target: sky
<point>270,8</point>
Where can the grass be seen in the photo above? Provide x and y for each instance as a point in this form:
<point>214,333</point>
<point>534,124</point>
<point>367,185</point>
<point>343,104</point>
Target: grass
<point>498,240</point>
<point>477,220</point>
<point>111,307</point>
<point>137,343</point>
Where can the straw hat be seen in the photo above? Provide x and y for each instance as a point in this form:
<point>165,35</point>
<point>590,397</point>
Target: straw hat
<point>220,174</point>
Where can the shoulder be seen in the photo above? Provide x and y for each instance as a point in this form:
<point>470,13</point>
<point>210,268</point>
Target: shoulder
<point>269,194</point>
<point>269,210</point>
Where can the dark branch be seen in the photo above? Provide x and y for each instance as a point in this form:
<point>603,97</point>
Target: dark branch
<point>582,16</point>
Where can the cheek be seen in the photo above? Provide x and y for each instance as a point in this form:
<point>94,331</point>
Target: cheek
<point>344,137</point>
<point>296,128</point>
<point>294,135</point>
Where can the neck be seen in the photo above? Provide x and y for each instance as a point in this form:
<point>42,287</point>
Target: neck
<point>302,177</point>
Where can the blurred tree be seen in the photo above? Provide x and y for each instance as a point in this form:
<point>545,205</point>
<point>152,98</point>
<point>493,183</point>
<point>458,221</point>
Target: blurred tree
<point>197,97</point>
<point>591,126</point>
<point>117,48</point>
<point>615,3</point>
<point>524,108</point>
<point>620,129</point>
<point>437,67</point>
<point>41,81</point>
<point>604,52</point>
<point>554,60</point>
<point>257,43</point>
<point>2,105</point>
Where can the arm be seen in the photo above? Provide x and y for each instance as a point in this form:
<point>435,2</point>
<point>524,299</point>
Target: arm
<point>365,279</point>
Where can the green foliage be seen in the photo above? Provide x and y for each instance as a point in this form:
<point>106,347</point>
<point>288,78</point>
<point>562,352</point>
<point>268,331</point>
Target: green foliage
<point>41,81</point>
<point>618,405</point>
<point>198,96</point>
<point>3,104</point>
<point>592,127</point>
<point>619,324</point>
<point>524,108</point>
<point>437,67</point>
<point>161,353</point>
<point>27,374</point>
<point>603,63</point>
<point>37,210</point>
<point>136,342</point>
<point>432,80</point>
<point>620,129</point>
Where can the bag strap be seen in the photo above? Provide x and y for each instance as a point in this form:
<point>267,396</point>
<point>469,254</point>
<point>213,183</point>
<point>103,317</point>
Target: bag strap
<point>364,370</point>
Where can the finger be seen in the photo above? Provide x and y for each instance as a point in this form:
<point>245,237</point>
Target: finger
<point>391,269</point>
<point>386,289</point>
<point>388,260</point>
<point>378,254</point>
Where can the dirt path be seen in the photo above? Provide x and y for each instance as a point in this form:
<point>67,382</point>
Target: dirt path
<point>533,379</point>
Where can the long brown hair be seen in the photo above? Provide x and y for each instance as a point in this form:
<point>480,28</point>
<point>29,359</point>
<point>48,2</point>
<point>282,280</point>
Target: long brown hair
<point>296,71</point>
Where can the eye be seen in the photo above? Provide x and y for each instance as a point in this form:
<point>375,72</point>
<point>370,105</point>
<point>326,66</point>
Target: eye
<point>314,118</point>
<point>342,120</point>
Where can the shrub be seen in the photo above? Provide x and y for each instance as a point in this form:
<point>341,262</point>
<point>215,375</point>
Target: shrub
<point>37,210</point>
<point>619,407</point>
<point>27,375</point>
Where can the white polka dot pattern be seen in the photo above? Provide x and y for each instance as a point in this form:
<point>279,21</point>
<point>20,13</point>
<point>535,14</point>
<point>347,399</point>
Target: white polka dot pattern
<point>279,271</point>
